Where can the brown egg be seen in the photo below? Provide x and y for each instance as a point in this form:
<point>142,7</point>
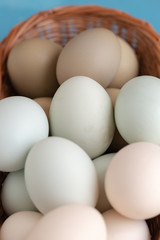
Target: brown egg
<point>113,93</point>
<point>44,102</point>
<point>32,67</point>
<point>128,68</point>
<point>19,225</point>
<point>118,142</point>
<point>93,53</point>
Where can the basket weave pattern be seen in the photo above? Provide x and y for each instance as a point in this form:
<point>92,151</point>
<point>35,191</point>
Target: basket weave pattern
<point>63,23</point>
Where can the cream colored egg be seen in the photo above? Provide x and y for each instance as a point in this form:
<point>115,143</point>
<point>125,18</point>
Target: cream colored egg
<point>122,228</point>
<point>132,181</point>
<point>128,68</point>
<point>70,222</point>
<point>19,225</point>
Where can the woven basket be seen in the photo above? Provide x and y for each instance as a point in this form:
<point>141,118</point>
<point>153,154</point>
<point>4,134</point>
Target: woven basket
<point>63,23</point>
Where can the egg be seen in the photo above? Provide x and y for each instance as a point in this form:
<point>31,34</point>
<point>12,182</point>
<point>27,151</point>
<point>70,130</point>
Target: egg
<point>94,53</point>
<point>19,225</point>
<point>81,111</point>
<point>117,142</point>
<point>113,93</point>
<point>122,228</point>
<point>22,123</point>
<point>45,103</point>
<point>132,181</point>
<point>137,112</point>
<point>70,222</point>
<point>32,67</point>
<point>101,164</point>
<point>58,172</point>
<point>129,65</point>
<point>14,195</point>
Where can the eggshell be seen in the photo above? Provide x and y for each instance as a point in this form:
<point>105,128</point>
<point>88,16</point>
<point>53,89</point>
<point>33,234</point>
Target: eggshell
<point>122,228</point>
<point>132,181</point>
<point>129,65</point>
<point>19,225</point>
<point>32,67</point>
<point>101,164</point>
<point>70,222</point>
<point>22,124</point>
<point>58,172</point>
<point>117,142</point>
<point>82,112</point>
<point>44,102</point>
<point>14,195</point>
<point>94,53</point>
<point>137,112</point>
<point>113,93</point>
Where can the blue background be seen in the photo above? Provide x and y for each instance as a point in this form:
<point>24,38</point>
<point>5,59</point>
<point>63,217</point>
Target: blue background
<point>15,11</point>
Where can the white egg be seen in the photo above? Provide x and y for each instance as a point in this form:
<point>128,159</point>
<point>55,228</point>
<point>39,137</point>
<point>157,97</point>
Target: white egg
<point>81,111</point>
<point>58,172</point>
<point>14,194</point>
<point>22,123</point>
<point>137,110</point>
<point>101,164</point>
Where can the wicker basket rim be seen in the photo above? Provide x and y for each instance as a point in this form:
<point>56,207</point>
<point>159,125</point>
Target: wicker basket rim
<point>10,40</point>
<point>81,9</point>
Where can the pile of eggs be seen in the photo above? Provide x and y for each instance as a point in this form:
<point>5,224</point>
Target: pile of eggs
<point>80,141</point>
